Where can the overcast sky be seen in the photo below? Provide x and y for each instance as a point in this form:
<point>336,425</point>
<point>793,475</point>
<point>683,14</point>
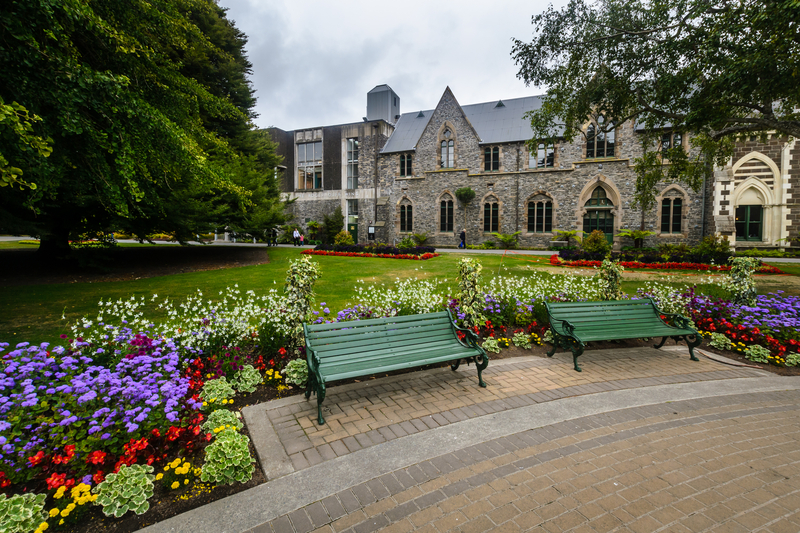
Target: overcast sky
<point>314,61</point>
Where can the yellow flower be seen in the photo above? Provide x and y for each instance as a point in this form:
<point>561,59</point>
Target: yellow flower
<point>186,481</point>
<point>61,522</point>
<point>54,512</point>
<point>159,476</point>
<point>175,485</point>
<point>65,513</point>
<point>70,507</point>
<point>175,463</point>
<point>43,526</point>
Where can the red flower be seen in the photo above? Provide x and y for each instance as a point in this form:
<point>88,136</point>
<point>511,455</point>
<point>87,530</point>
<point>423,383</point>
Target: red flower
<point>55,480</point>
<point>282,351</point>
<point>98,477</point>
<point>3,481</point>
<point>36,459</point>
<point>156,432</point>
<point>96,457</point>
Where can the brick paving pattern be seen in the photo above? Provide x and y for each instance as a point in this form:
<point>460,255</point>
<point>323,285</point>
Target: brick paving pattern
<point>722,464</point>
<point>386,410</point>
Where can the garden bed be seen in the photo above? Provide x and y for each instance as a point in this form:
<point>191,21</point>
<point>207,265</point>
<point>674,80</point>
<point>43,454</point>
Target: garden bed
<point>421,257</point>
<point>557,261</point>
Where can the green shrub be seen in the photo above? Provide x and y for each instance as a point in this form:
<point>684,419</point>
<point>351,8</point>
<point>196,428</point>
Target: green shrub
<point>522,340</point>
<point>470,295</point>
<point>720,341</point>
<point>228,459</point>
<point>216,392</point>
<point>332,224</point>
<point>299,290</point>
<point>509,241</point>
<point>296,372</point>
<point>343,237</point>
<point>246,379</point>
<point>490,345</point>
<point>487,245</point>
<point>127,490</point>
<point>757,353</point>
<point>22,513</point>
<point>420,238</point>
<point>793,359</point>
<point>637,235</point>
<point>596,243</point>
<point>220,418</point>
<point>407,242</point>
<point>611,279</point>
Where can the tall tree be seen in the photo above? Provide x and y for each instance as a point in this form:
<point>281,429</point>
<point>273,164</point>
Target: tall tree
<point>716,68</point>
<point>139,140</point>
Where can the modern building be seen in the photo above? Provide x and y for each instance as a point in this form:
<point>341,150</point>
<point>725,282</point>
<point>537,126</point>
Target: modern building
<point>397,174</point>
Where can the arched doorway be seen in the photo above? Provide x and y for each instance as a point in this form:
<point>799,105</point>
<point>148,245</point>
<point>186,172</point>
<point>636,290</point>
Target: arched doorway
<point>599,215</point>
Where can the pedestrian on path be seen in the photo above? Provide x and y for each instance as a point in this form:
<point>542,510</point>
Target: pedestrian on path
<point>302,239</point>
<point>296,237</point>
<point>274,235</point>
<point>463,238</point>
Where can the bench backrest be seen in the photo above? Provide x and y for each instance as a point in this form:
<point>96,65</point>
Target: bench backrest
<point>627,311</point>
<point>340,338</point>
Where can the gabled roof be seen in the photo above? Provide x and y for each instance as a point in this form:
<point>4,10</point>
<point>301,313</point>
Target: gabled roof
<point>493,122</point>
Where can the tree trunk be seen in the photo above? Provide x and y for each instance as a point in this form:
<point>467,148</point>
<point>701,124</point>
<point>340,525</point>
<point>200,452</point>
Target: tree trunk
<point>55,243</point>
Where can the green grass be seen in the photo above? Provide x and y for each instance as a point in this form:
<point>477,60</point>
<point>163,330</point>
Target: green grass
<point>33,313</point>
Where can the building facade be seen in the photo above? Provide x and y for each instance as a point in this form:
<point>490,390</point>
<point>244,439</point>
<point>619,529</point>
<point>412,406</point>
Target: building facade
<point>398,174</point>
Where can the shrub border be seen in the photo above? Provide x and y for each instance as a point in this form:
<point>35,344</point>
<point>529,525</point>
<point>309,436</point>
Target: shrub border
<point>556,260</point>
<point>422,257</point>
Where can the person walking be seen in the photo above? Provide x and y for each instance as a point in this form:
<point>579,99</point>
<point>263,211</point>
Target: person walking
<point>302,239</point>
<point>274,235</point>
<point>463,238</point>
<point>296,237</point>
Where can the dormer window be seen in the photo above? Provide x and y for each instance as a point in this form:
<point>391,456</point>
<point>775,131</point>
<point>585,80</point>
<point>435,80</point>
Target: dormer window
<point>600,139</point>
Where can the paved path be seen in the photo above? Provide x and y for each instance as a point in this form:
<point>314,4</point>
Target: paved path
<point>642,440</point>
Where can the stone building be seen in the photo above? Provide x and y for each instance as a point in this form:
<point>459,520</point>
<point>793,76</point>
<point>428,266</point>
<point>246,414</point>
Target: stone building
<point>398,173</point>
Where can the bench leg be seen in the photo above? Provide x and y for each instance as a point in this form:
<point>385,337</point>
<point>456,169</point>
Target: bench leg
<point>698,340</point>
<point>455,365</point>
<point>660,344</point>
<point>320,398</point>
<point>481,362</point>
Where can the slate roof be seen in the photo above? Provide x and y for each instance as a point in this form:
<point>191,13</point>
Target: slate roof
<point>492,123</point>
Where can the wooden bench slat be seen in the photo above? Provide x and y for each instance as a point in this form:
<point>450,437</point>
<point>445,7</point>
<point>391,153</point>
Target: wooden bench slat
<point>347,331</point>
<point>378,321</point>
<point>398,351</point>
<point>392,362</point>
<point>332,350</point>
<point>346,337</point>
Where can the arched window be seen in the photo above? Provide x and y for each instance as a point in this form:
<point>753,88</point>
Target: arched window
<point>446,214</point>
<point>448,149</point>
<point>598,214</point>
<point>671,215</point>
<point>749,219</point>
<point>491,158</point>
<point>600,139</point>
<point>406,217</point>
<point>540,214</point>
<point>405,165</point>
<point>491,215</point>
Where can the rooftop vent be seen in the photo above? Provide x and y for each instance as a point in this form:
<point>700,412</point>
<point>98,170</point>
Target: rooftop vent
<point>499,104</point>
<point>421,115</point>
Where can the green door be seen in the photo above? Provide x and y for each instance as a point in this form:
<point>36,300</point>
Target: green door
<point>602,220</point>
<point>352,229</point>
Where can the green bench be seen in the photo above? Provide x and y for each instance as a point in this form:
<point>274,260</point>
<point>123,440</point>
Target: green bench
<point>346,350</point>
<point>576,323</point>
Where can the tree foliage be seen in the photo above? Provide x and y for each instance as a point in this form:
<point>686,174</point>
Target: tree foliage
<point>715,68</point>
<point>146,107</point>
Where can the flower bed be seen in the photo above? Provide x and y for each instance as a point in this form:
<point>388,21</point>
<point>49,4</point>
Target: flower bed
<point>556,260</point>
<point>421,257</point>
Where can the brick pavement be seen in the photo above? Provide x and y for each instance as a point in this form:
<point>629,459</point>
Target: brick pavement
<point>723,464</point>
<point>374,412</point>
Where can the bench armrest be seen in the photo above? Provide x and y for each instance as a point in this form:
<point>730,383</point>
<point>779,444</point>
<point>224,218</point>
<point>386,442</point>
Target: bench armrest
<point>680,320</point>
<point>566,324</point>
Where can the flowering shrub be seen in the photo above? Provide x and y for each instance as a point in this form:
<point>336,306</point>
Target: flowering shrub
<point>246,379</point>
<point>221,418</point>
<point>52,397</point>
<point>406,297</point>
<point>296,372</point>
<point>740,282</point>
<point>127,490</point>
<point>67,512</point>
<point>469,292</point>
<point>299,290</point>
<point>610,275</point>
<point>764,269</point>
<point>228,459</point>
<point>178,474</point>
<point>22,513</point>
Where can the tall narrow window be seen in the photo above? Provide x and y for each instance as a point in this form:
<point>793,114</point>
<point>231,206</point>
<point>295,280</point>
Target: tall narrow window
<point>600,139</point>
<point>543,157</point>
<point>749,222</point>
<point>670,140</point>
<point>491,216</point>
<point>446,216</point>
<point>309,166</point>
<point>448,150</point>
<point>491,158</point>
<point>671,215</point>
<point>599,214</point>
<point>405,165</point>
<point>540,216</point>
<point>406,218</point>
<point>352,163</point>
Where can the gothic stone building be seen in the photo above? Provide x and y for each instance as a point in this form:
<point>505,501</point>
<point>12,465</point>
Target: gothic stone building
<point>398,173</point>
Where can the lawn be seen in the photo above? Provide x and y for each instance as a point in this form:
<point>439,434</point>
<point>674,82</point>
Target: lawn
<point>34,313</point>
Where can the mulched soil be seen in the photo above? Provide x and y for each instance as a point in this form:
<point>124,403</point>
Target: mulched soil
<point>27,267</point>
